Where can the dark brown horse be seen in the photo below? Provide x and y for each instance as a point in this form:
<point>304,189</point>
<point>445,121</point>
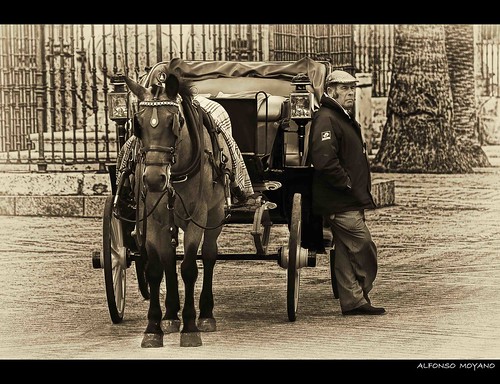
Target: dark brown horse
<point>179,183</point>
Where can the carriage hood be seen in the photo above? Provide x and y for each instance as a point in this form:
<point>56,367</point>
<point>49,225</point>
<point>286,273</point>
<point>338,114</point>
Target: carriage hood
<point>204,70</point>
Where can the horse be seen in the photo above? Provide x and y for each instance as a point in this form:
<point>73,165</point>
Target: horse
<point>181,181</point>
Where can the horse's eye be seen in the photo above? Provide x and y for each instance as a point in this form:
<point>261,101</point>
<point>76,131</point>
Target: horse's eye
<point>181,121</point>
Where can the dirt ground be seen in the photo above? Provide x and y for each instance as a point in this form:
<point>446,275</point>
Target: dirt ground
<point>439,279</point>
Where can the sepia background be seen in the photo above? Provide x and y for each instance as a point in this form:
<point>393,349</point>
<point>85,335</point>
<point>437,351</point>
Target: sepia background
<point>439,239</point>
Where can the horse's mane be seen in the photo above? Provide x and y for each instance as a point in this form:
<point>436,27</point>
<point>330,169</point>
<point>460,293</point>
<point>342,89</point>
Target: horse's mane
<point>185,84</point>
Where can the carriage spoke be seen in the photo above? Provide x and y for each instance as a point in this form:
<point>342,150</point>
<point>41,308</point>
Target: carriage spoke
<point>117,249</point>
<point>119,287</point>
<point>114,253</point>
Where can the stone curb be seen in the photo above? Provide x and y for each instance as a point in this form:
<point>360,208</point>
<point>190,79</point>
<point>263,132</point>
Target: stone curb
<point>84,195</point>
<point>54,184</point>
<point>70,194</point>
<point>64,206</point>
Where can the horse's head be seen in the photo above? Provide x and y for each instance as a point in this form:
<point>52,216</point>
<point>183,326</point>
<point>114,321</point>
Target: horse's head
<point>158,123</point>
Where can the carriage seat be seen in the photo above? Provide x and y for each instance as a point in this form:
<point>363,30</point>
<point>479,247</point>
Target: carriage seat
<point>255,120</point>
<point>274,107</point>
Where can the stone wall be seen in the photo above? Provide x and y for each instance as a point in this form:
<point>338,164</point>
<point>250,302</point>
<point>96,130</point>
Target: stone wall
<point>53,194</point>
<point>83,194</point>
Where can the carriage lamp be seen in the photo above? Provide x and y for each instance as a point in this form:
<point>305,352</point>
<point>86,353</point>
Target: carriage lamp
<point>301,102</point>
<point>117,99</point>
<point>118,106</point>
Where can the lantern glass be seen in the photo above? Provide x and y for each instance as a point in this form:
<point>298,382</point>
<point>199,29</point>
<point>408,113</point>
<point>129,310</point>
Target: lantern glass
<point>118,108</point>
<point>301,105</point>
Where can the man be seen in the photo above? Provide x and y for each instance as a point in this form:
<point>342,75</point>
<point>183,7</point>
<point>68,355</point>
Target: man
<point>341,191</point>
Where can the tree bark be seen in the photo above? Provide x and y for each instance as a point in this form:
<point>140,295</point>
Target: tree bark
<point>459,40</point>
<point>417,136</point>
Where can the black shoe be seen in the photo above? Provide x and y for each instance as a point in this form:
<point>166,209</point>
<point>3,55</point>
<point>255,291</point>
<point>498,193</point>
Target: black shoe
<point>365,309</point>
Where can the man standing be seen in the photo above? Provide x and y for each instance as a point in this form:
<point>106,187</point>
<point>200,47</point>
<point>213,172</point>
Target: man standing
<point>341,192</point>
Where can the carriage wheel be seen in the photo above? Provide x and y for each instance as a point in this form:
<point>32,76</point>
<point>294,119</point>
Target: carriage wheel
<point>293,272</point>
<point>115,263</point>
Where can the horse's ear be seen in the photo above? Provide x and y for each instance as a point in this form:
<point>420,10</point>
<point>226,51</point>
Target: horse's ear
<point>172,86</point>
<point>135,88</point>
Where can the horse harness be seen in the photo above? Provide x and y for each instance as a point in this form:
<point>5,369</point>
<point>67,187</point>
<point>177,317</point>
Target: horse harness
<point>197,120</point>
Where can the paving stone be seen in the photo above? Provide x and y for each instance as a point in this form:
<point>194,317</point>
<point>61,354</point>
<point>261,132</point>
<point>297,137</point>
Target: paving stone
<point>438,278</point>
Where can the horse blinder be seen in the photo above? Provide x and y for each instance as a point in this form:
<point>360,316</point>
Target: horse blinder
<point>136,127</point>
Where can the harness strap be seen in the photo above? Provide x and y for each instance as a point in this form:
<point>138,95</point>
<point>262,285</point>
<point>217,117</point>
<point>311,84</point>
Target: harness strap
<point>169,151</point>
<point>200,167</point>
<point>218,159</point>
<point>192,123</point>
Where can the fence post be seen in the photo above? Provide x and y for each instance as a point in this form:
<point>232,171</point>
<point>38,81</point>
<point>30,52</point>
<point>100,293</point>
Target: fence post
<point>41,98</point>
<point>159,53</point>
<point>364,108</point>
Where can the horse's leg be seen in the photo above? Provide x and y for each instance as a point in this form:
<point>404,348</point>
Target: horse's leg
<point>171,322</point>
<point>153,335</point>
<point>162,262</point>
<point>190,334</point>
<point>209,252</point>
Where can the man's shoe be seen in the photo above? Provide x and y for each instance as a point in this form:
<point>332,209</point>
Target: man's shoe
<point>365,309</point>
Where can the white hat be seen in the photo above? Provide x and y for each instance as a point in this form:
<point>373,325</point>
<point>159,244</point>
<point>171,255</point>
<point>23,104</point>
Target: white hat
<point>339,76</point>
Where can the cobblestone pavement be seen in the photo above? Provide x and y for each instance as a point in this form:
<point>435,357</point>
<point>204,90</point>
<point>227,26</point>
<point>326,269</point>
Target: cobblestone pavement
<point>439,279</point>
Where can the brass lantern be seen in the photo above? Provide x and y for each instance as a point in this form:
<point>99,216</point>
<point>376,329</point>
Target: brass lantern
<point>301,101</point>
<point>301,108</point>
<point>118,107</point>
<point>118,100</point>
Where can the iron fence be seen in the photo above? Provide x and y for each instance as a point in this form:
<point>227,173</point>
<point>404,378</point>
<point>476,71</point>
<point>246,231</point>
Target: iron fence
<point>54,79</point>
<point>374,52</point>
<point>488,55</point>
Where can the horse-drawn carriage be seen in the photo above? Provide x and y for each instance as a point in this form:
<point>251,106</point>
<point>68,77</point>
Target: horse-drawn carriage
<point>269,106</point>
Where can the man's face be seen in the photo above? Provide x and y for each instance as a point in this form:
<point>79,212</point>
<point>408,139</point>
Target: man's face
<point>345,94</point>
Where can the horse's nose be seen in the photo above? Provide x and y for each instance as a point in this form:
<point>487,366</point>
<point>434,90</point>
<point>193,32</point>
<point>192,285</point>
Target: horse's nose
<point>155,178</point>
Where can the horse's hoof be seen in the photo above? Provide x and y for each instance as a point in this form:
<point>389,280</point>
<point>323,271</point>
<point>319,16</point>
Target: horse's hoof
<point>207,324</point>
<point>152,340</point>
<point>190,339</point>
<point>171,326</point>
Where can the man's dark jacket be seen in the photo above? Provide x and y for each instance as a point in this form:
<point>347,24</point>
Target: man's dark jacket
<point>341,180</point>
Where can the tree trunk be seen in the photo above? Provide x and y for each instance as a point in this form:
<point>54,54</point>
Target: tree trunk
<point>417,136</point>
<point>460,54</point>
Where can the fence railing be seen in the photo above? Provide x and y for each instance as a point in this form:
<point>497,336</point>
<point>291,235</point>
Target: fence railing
<point>488,48</point>
<point>374,52</point>
<point>54,79</point>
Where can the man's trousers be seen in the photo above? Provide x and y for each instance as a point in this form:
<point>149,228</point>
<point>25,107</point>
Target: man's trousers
<point>355,258</point>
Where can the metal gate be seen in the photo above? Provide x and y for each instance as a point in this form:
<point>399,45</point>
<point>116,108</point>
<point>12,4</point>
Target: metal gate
<point>54,79</point>
<point>488,55</point>
<point>374,51</point>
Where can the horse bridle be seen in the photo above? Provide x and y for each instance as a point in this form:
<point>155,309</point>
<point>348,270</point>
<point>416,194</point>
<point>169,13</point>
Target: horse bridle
<point>170,160</point>
<point>154,121</point>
